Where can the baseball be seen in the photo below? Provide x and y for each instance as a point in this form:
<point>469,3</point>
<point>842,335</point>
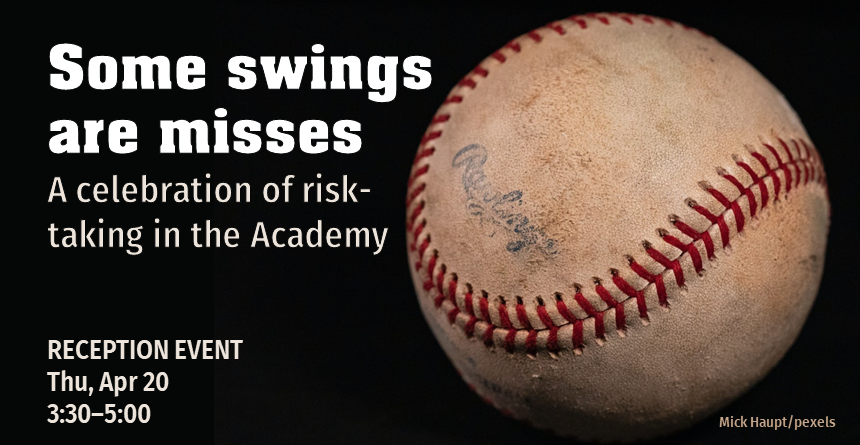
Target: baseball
<point>616,226</point>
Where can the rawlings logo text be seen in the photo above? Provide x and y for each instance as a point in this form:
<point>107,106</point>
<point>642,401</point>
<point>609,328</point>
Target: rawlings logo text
<point>496,210</point>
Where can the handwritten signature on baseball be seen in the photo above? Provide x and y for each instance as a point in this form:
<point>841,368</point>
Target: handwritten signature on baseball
<point>496,210</point>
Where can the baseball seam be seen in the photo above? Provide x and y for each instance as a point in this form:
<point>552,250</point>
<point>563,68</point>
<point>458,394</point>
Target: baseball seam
<point>511,324</point>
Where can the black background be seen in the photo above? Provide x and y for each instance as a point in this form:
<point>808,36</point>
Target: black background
<point>336,350</point>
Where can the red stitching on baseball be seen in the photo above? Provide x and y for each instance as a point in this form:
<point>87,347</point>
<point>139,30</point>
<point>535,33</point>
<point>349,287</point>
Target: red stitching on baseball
<point>762,188</point>
<point>414,194</point>
<point>775,154</point>
<point>625,17</point>
<point>469,328</point>
<point>689,248</point>
<point>440,276</point>
<point>702,211</point>
<point>628,290</point>
<point>658,256</point>
<point>423,248</point>
<point>431,266</point>
<point>484,307</point>
<point>779,165</point>
<point>709,244</point>
<point>452,314</point>
<point>719,196</point>
<point>522,317</point>
<point>787,150</point>
<point>584,304</point>
<point>510,341</point>
<point>467,82</point>
<point>604,294</point>
<point>488,335</point>
<point>651,278</point>
<point>467,302</point>
<point>805,167</point>
<point>556,27</point>
<point>439,298</point>
<point>739,216</point>
<point>543,315</point>
<point>504,319</point>
<point>452,288</point>
<point>430,136</point>
<point>562,309</point>
<point>620,319</point>
<point>577,331</point>
<point>724,231</point>
<point>531,343</point>
<point>806,159</point>
<point>424,153</point>
<point>599,331</point>
<point>419,172</point>
<point>552,340</point>
<point>722,172</point>
<point>808,172</point>
<point>602,19</point>
<point>579,21</point>
<point>417,211</point>
<point>416,233</point>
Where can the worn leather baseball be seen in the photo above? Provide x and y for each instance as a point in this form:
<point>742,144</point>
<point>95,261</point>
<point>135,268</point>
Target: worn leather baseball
<point>616,226</point>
